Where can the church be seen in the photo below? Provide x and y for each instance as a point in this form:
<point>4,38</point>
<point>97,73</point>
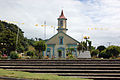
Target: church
<point>58,44</point>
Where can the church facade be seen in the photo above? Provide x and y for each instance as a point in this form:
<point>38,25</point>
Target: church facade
<point>58,44</point>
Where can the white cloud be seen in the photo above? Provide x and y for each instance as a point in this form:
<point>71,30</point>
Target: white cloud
<point>81,14</point>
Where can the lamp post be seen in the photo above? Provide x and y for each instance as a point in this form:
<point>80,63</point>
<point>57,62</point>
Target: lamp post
<point>17,37</point>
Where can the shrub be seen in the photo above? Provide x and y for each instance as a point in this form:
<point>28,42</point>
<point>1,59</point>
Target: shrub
<point>103,54</point>
<point>110,52</point>
<point>0,56</point>
<point>14,55</point>
<point>30,53</point>
<point>101,48</point>
<point>4,56</point>
<point>94,53</point>
<point>21,49</point>
<point>113,51</point>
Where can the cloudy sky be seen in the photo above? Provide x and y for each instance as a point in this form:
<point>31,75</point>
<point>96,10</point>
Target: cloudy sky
<point>99,19</point>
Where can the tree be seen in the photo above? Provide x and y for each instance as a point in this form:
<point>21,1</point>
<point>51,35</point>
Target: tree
<point>31,41</point>
<point>90,43</point>
<point>86,38</point>
<point>84,46</point>
<point>101,48</point>
<point>103,54</point>
<point>21,49</point>
<point>8,34</point>
<point>30,53</point>
<point>94,53</point>
<point>79,47</point>
<point>70,50</point>
<point>14,55</point>
<point>40,46</point>
<point>8,39</point>
<point>113,51</point>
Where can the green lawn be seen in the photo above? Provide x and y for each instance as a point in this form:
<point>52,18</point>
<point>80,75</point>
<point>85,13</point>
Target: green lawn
<point>27,75</point>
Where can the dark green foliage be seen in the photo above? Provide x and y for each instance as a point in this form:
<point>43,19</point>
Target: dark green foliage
<point>101,48</point>
<point>20,49</point>
<point>84,45</point>
<point>113,51</point>
<point>37,39</point>
<point>7,40</point>
<point>40,46</point>
<point>103,54</point>
<point>79,47</point>
<point>92,48</point>
<point>14,55</point>
<point>59,51</point>
<point>90,43</point>
<point>70,50</point>
<point>30,53</point>
<point>94,52</point>
<point>8,37</point>
<point>31,41</point>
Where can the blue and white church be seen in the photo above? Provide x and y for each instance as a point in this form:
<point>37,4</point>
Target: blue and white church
<point>57,45</point>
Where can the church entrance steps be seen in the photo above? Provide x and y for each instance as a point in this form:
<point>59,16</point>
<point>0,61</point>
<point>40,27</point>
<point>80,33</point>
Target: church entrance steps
<point>76,65</point>
<point>81,61</point>
<point>62,67</point>
<point>88,68</point>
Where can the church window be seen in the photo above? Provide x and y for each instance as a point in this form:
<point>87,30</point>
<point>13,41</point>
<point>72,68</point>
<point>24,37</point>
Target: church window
<point>61,40</point>
<point>61,23</point>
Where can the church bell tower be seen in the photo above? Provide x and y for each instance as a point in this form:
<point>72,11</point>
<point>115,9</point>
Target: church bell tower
<point>62,23</point>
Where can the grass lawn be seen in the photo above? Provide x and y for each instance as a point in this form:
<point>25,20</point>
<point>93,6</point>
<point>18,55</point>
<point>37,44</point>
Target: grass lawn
<point>27,75</point>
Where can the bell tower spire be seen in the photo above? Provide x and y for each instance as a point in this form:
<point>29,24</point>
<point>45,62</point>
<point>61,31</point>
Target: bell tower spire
<point>62,23</point>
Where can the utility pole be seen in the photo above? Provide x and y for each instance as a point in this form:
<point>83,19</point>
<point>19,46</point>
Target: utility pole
<point>109,43</point>
<point>44,29</point>
<point>18,35</point>
<point>17,38</point>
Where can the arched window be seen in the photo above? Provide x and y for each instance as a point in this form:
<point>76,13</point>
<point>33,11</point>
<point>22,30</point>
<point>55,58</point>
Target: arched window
<point>61,40</point>
<point>61,23</point>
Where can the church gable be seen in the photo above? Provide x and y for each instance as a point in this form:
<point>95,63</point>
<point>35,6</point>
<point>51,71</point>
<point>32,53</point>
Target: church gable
<point>61,39</point>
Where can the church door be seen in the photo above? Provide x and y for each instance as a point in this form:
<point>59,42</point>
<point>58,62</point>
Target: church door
<point>59,54</point>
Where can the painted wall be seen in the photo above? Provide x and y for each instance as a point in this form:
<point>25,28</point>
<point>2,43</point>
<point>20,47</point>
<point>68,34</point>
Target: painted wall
<point>54,45</point>
<point>66,39</point>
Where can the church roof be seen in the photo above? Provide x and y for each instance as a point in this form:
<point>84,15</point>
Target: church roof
<point>62,16</point>
<point>65,34</point>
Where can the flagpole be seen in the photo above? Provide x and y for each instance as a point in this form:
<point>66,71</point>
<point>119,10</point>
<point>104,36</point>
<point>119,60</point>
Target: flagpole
<point>19,24</point>
<point>44,29</point>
